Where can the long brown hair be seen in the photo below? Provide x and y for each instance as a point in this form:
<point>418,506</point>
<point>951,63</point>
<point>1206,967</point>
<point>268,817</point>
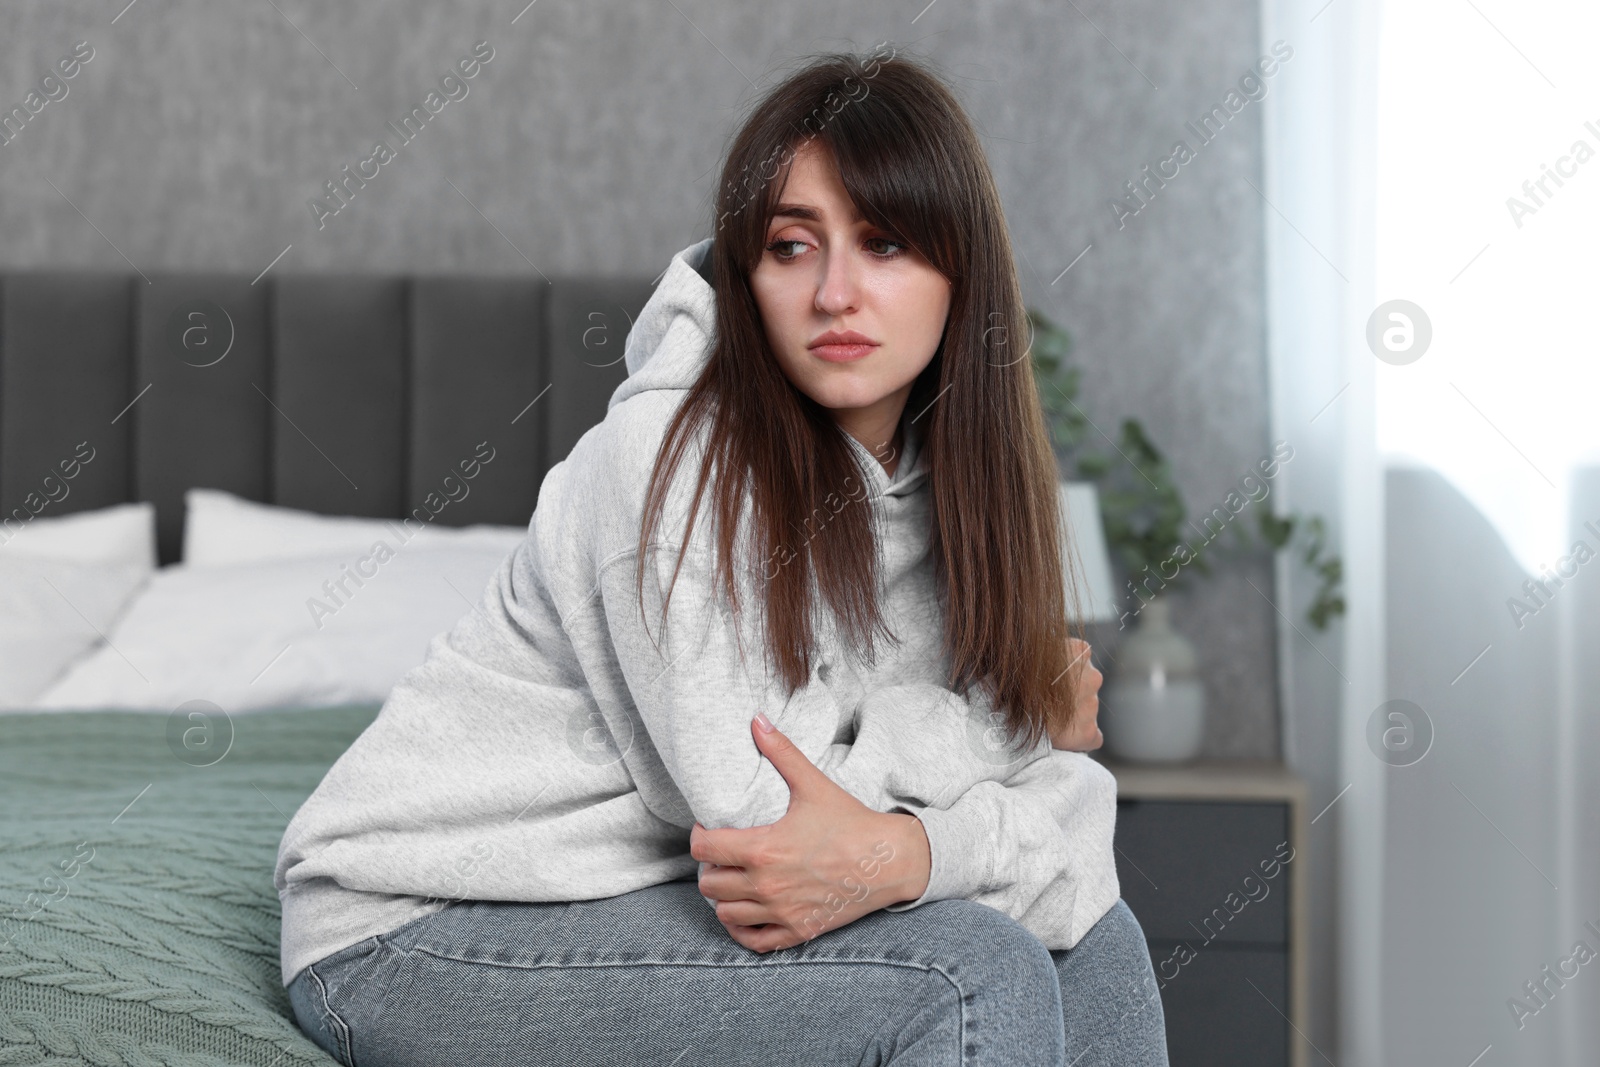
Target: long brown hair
<point>912,163</point>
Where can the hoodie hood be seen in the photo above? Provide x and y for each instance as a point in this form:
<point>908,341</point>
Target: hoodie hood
<point>670,344</point>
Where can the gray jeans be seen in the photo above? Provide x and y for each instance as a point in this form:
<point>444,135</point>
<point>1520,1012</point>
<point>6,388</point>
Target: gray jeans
<point>651,977</point>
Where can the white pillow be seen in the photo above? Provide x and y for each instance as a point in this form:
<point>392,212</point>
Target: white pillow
<point>120,534</point>
<point>220,528</point>
<point>63,581</point>
<point>51,613</point>
<point>271,634</point>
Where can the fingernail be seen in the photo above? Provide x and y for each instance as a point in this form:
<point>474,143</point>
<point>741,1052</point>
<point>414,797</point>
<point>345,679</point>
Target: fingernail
<point>764,722</point>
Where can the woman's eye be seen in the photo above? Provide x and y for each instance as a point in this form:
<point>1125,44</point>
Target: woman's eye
<point>895,247</point>
<point>776,245</point>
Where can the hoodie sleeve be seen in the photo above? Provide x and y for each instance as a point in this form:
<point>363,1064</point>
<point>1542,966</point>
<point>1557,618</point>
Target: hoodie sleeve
<point>695,694</point>
<point>1037,847</point>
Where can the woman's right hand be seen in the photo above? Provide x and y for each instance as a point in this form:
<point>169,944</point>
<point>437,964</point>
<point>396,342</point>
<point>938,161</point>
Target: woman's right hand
<point>1084,733</point>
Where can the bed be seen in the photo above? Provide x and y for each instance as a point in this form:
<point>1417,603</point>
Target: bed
<point>194,624</point>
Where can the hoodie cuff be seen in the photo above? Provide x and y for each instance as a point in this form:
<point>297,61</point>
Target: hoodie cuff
<point>961,850</point>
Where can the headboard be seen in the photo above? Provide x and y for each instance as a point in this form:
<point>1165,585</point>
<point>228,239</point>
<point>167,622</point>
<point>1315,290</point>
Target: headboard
<point>343,394</point>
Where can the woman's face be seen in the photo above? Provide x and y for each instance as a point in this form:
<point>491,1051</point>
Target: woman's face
<point>824,271</point>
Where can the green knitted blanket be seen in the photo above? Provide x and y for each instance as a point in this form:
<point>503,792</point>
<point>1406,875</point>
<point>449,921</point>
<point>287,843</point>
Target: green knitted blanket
<point>138,923</point>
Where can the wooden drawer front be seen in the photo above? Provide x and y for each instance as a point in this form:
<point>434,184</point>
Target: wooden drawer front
<point>1204,872</point>
<point>1214,1016</point>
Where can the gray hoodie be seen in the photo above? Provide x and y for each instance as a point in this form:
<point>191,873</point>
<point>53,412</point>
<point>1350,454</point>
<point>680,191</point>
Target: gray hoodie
<point>549,748</point>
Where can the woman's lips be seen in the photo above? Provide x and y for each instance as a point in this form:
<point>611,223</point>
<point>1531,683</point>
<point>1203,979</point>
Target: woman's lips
<point>842,353</point>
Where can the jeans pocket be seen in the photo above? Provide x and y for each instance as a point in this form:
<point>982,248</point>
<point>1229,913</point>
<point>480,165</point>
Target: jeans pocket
<point>358,990</point>
<point>327,994</point>
<point>314,1013</point>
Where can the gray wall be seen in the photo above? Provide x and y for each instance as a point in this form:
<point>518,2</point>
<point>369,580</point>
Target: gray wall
<point>198,132</point>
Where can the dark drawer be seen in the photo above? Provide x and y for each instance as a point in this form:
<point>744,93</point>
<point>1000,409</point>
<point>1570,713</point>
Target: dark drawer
<point>1205,872</point>
<point>1214,1016</point>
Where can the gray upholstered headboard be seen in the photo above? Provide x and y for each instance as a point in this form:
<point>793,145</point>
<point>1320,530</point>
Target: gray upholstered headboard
<point>342,394</point>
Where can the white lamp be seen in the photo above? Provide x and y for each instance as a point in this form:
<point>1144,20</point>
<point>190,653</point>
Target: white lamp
<point>1085,551</point>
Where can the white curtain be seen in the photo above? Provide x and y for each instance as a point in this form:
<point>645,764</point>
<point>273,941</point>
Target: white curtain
<point>1489,864</point>
<point>1317,197</point>
<point>1443,886</point>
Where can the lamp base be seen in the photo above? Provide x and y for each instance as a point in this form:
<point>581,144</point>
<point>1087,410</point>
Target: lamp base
<point>1149,725</point>
<point>1155,707</point>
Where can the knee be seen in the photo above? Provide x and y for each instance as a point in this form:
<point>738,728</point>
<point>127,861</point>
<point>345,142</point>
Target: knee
<point>1109,994</point>
<point>986,949</point>
<point>1115,954</point>
<point>1119,937</point>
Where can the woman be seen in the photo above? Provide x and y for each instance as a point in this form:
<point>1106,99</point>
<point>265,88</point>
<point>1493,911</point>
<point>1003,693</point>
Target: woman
<point>916,868</point>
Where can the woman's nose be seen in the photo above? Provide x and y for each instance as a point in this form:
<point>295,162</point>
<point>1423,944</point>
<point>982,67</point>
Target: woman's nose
<point>838,289</point>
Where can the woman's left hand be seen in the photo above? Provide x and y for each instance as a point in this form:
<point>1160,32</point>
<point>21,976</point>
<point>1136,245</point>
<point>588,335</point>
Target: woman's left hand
<point>826,863</point>
<point>1084,734</point>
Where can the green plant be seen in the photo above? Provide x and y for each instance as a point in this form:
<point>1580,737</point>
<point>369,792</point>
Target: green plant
<point>1143,511</point>
<point>1277,532</point>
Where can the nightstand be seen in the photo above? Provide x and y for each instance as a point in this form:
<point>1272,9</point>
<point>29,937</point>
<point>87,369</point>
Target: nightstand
<point>1212,859</point>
